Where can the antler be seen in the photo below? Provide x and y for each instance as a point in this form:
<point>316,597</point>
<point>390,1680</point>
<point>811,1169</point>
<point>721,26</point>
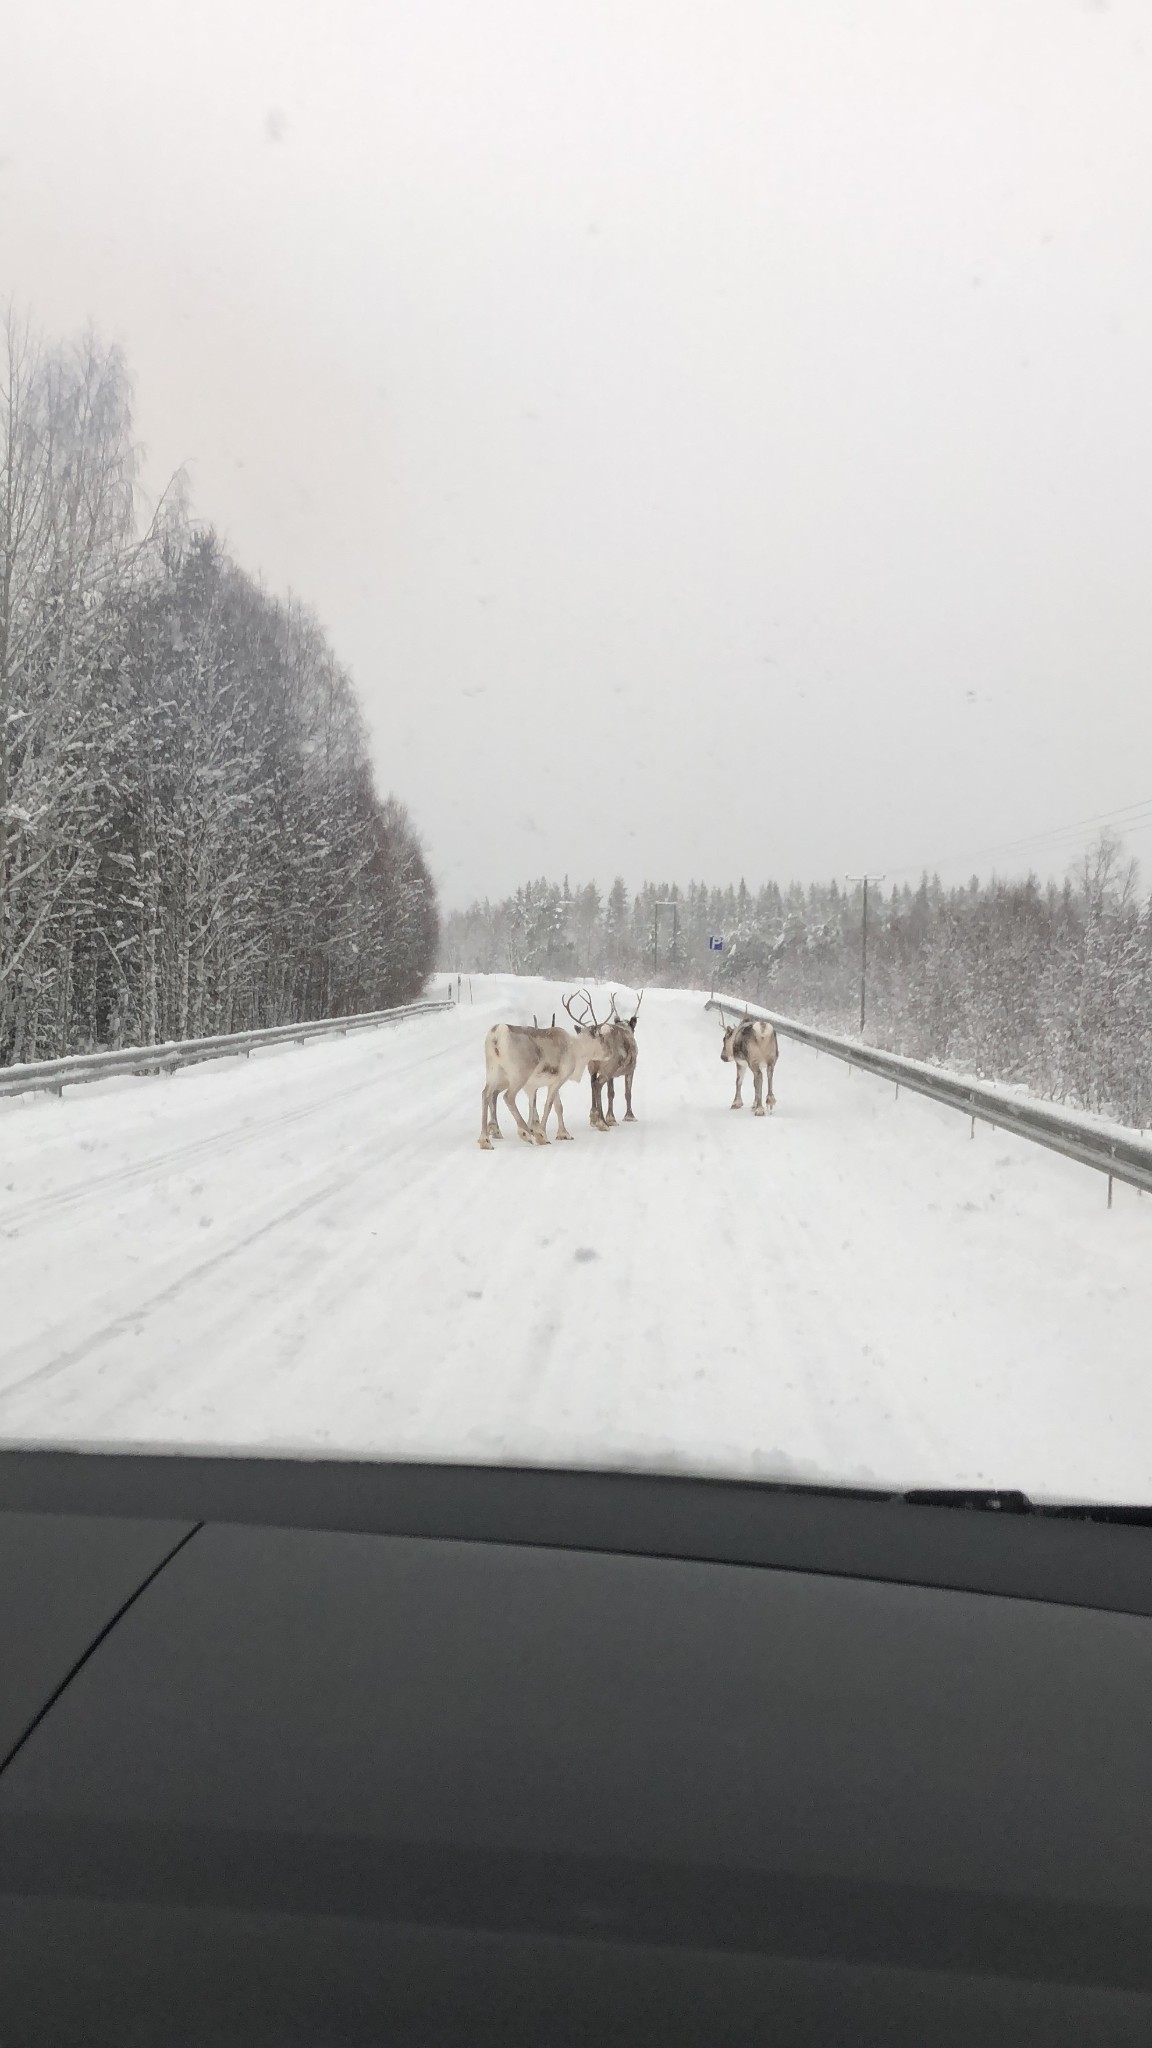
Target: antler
<point>586,1013</point>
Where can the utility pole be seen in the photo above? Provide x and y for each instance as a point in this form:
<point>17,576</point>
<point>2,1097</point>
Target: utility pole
<point>864,943</point>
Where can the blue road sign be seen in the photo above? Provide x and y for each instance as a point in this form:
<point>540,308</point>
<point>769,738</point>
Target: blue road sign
<point>715,943</point>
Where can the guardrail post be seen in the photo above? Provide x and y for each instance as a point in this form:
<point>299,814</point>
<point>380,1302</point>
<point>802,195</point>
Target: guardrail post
<point>1109,1190</point>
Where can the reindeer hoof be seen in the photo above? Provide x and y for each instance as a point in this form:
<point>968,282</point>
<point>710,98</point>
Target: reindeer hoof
<point>541,1139</point>
<point>525,1137</point>
<point>628,1117</point>
<point>485,1144</point>
<point>758,1112</point>
<point>561,1136</point>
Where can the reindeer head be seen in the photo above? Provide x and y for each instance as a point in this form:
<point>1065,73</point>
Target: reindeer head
<point>730,1050</point>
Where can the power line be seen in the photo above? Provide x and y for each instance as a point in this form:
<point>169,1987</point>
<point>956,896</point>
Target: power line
<point>1123,817</point>
<point>1128,816</point>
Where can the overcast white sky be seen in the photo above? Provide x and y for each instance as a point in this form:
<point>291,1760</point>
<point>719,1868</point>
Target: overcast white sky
<point>718,436</point>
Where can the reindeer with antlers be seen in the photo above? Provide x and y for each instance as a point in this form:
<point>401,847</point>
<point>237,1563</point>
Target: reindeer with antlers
<point>531,1057</point>
<point>617,1062</point>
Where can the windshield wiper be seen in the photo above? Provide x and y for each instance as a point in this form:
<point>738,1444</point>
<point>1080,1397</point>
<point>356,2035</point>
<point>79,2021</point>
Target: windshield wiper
<point>994,1499</point>
<point>1007,1501</point>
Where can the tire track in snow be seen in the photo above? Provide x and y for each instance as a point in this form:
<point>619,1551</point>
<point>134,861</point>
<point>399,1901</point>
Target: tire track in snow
<point>122,1324</point>
<point>218,1144</point>
<point>79,1346</point>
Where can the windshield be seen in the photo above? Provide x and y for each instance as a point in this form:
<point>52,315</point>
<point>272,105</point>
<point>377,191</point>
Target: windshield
<point>573,593</point>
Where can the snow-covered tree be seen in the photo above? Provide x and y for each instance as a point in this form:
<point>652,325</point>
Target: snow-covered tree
<point>190,838</point>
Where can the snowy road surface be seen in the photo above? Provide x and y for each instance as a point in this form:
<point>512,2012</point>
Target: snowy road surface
<point>309,1250</point>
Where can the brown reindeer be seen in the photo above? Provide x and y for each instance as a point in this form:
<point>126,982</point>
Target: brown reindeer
<point>617,1064</point>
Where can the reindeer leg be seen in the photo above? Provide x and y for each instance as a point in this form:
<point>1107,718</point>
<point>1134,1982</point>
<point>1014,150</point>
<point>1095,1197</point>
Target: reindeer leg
<point>521,1126</point>
<point>771,1099</point>
<point>562,1131</point>
<point>758,1088</point>
<point>484,1140</point>
<point>551,1101</point>
<point>610,1112</point>
<point>597,1117</point>
<point>628,1116</point>
<point>737,1101</point>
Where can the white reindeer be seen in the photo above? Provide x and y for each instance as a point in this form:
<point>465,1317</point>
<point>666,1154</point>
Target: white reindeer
<point>751,1043</point>
<point>532,1057</point>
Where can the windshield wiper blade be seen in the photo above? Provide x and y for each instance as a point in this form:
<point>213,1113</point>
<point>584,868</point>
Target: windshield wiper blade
<point>995,1499</point>
<point>1007,1501</point>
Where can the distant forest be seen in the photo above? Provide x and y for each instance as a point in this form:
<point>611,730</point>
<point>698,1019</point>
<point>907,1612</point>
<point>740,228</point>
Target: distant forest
<point>190,837</point>
<point>1049,985</point>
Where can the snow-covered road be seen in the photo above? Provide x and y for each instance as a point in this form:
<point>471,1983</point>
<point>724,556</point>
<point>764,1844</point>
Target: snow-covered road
<point>309,1251</point>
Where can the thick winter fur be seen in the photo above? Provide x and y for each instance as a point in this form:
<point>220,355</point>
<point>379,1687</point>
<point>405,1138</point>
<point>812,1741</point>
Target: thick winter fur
<point>752,1044</point>
<point>617,1063</point>
<point>531,1057</point>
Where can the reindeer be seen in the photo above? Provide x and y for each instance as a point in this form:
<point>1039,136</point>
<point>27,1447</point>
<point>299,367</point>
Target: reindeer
<point>532,1057</point>
<point>617,1063</point>
<point>751,1044</point>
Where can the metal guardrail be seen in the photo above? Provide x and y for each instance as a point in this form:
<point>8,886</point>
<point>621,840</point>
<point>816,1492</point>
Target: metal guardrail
<point>53,1076</point>
<point>1121,1156</point>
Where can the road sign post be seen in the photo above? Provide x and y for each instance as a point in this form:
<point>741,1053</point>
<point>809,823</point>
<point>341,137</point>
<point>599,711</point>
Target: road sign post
<point>715,946</point>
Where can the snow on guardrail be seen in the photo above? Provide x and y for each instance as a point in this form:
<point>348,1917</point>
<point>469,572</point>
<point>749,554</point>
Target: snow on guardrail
<point>53,1076</point>
<point>1109,1148</point>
